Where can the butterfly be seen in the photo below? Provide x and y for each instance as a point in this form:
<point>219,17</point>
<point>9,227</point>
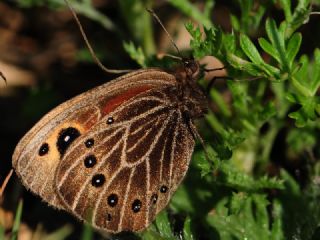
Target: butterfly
<point>114,155</point>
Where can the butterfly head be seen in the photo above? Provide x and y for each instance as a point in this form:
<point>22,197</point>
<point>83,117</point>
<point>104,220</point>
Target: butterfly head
<point>192,67</point>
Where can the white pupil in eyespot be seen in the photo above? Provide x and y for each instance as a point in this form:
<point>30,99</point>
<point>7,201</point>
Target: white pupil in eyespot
<point>67,138</point>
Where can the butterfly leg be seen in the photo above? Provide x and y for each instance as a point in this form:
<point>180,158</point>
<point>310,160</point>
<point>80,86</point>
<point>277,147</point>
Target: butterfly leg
<point>3,77</point>
<point>196,135</point>
<point>212,81</point>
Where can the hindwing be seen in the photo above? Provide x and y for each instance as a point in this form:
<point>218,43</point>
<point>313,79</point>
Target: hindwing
<point>139,158</point>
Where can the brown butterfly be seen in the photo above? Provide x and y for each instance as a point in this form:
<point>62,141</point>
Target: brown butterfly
<point>114,156</point>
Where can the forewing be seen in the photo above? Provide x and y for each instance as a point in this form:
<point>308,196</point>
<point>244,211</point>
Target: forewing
<point>41,150</point>
<point>140,158</point>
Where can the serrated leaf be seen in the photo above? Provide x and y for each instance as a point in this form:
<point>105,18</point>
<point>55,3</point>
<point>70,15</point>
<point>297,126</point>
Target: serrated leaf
<point>276,37</point>
<point>135,53</point>
<point>229,42</point>
<point>300,16</point>
<point>307,111</point>
<point>203,46</point>
<point>246,219</point>
<point>301,139</point>
<point>232,177</point>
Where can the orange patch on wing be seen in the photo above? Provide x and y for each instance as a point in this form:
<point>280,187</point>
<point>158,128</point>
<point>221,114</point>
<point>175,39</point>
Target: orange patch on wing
<point>116,101</point>
<point>92,121</point>
<point>53,157</point>
<point>88,118</point>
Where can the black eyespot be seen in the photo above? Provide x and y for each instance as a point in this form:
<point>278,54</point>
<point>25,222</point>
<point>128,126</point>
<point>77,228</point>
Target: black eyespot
<point>163,189</point>
<point>136,205</point>
<point>89,143</point>
<point>66,137</point>
<point>109,217</point>
<point>44,149</point>
<point>110,120</point>
<point>113,200</point>
<point>90,161</point>
<point>98,180</point>
<point>154,198</point>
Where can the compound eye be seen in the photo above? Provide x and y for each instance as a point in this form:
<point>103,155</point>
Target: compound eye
<point>188,64</point>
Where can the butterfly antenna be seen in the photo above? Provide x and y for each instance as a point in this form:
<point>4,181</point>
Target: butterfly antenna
<point>165,30</point>
<point>161,55</point>
<point>95,58</point>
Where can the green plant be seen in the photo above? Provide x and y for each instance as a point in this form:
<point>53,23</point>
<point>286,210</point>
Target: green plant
<point>223,198</point>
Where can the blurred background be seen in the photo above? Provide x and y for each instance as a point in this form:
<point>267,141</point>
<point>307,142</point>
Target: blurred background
<point>45,62</point>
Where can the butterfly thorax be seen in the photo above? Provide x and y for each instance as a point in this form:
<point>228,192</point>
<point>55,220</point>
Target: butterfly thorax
<point>192,99</point>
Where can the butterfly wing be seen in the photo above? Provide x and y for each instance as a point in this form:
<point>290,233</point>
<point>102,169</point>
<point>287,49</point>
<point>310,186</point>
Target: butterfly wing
<point>41,150</point>
<point>136,163</point>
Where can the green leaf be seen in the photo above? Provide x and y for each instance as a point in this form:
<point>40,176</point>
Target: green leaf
<point>252,53</point>
<point>306,83</point>
<point>140,23</point>
<point>250,50</point>
<point>307,75</point>
<point>230,176</point>
<point>2,232</point>
<point>187,232</point>
<point>229,43</point>
<point>87,232</point>
<point>135,53</point>
<point>301,223</point>
<point>315,78</point>
<point>192,11</point>
<point>163,225</point>
<point>17,220</point>
<point>293,47</point>
<point>209,44</point>
<point>219,101</point>
<point>300,16</point>
<point>307,112</point>
<point>203,165</point>
<point>301,139</point>
<point>235,22</point>
<point>268,48</point>
<point>247,218</point>
<point>62,233</point>
<point>277,226</point>
<point>250,19</point>
<point>243,65</point>
<point>286,5</point>
<point>86,8</point>
<point>276,37</point>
